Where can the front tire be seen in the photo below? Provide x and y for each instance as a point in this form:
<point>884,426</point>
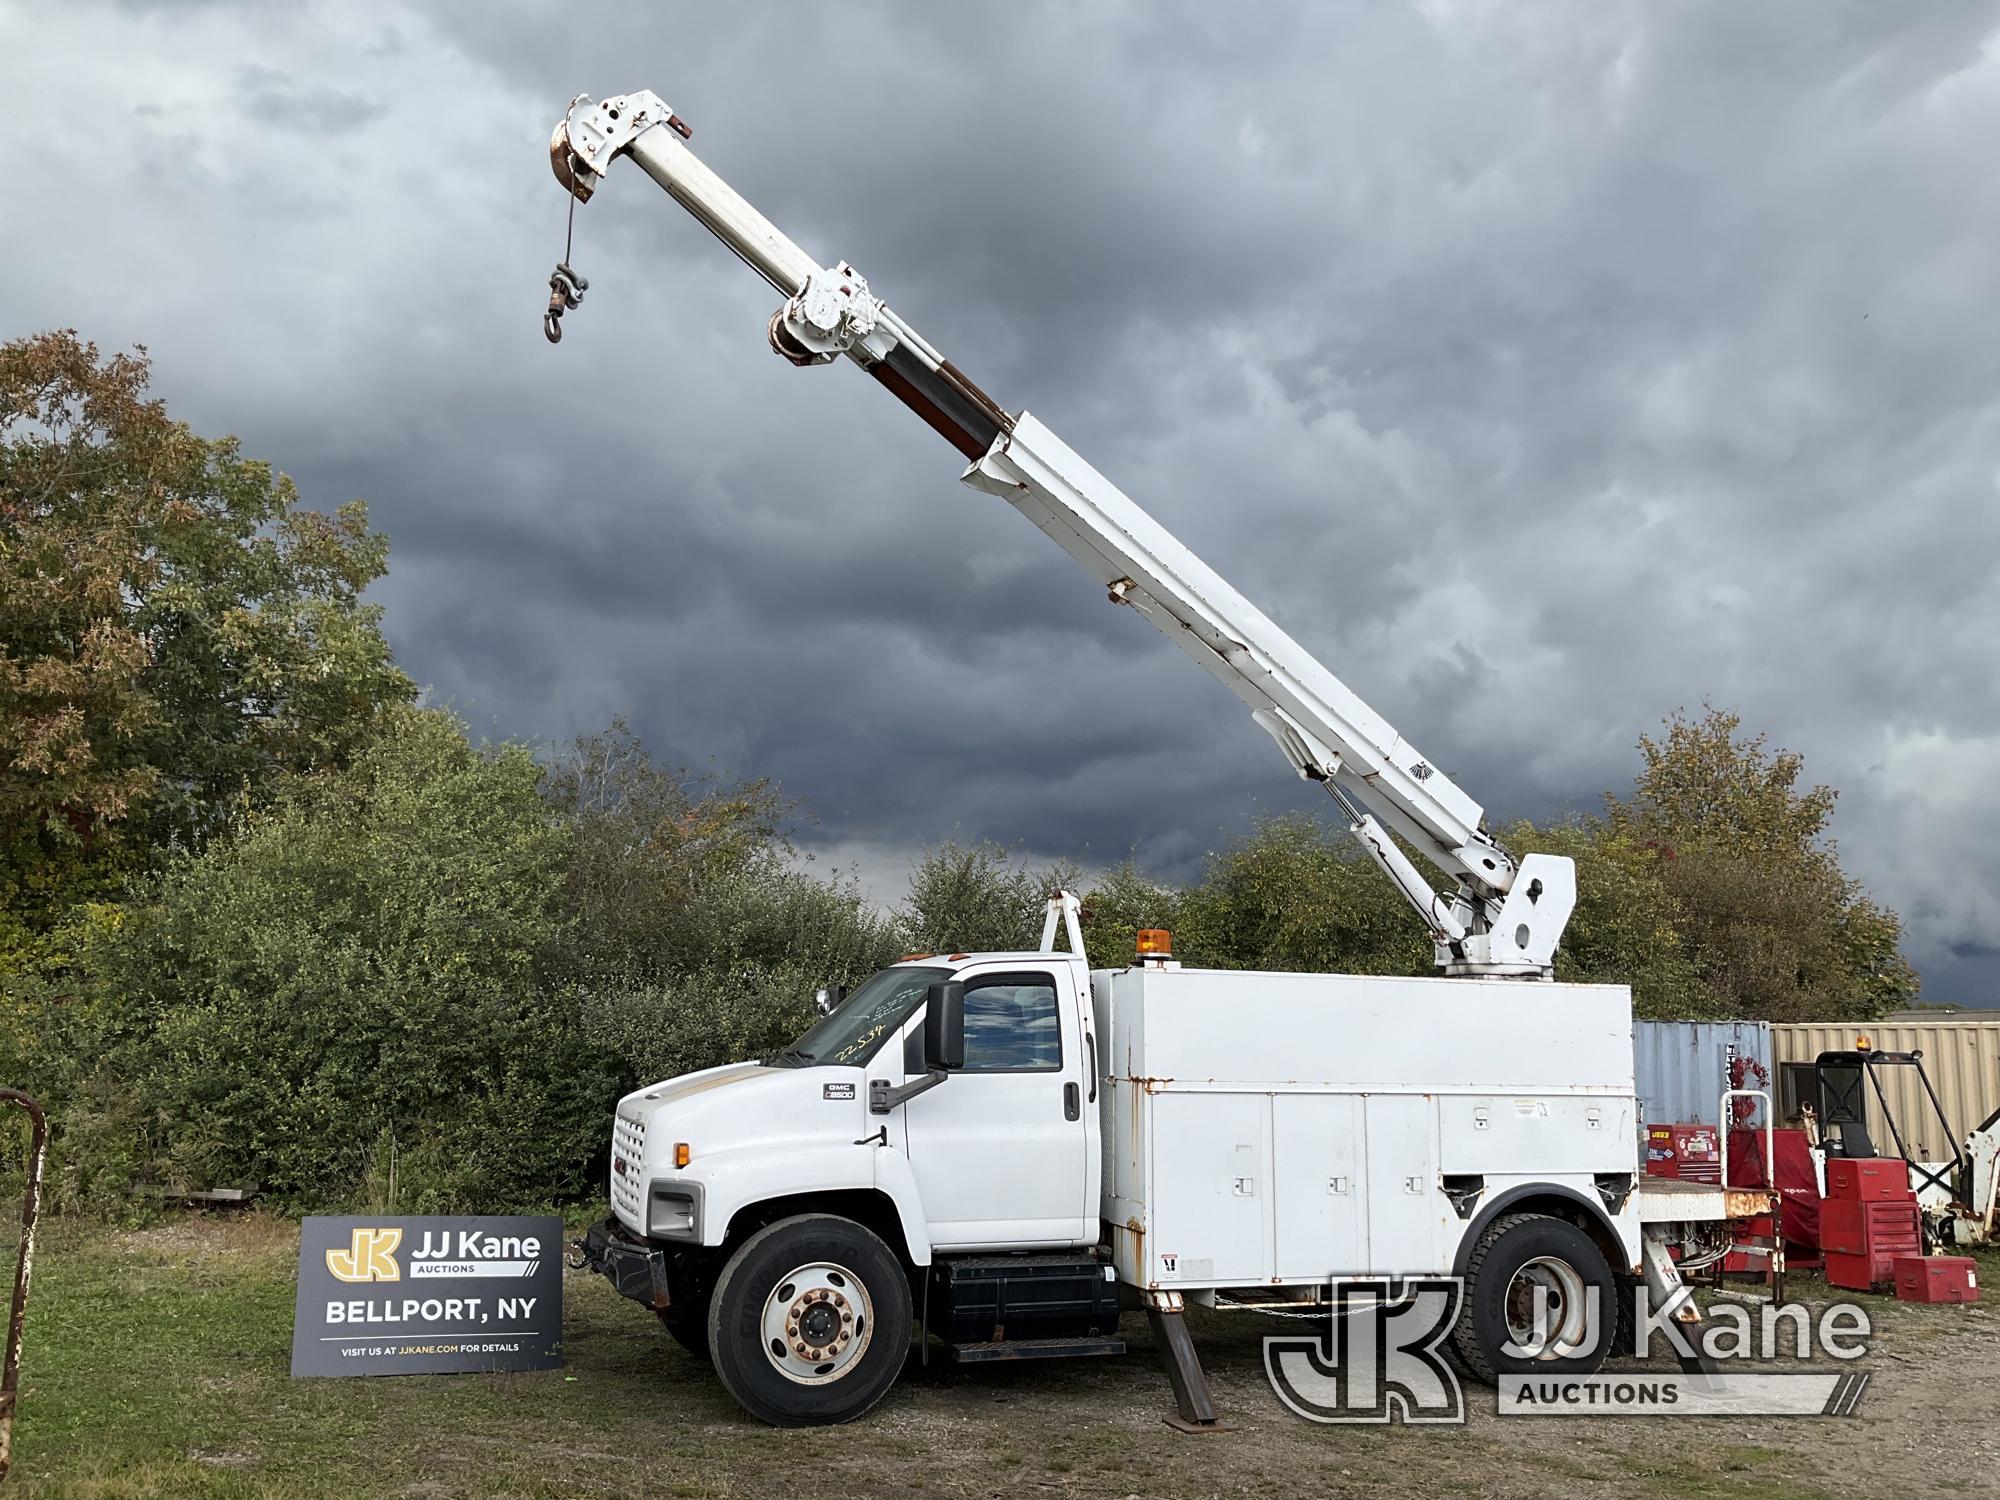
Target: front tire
<point>1525,1264</point>
<point>809,1323</point>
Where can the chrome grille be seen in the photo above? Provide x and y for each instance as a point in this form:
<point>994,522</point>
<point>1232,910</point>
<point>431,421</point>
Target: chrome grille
<point>628,1188</point>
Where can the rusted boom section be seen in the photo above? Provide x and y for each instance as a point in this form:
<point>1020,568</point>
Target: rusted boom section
<point>31,1207</point>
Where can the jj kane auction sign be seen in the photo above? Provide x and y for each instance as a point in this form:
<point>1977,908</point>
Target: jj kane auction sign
<point>429,1295</point>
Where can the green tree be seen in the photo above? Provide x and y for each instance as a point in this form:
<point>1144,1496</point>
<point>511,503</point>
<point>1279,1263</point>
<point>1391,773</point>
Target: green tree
<point>1774,928</point>
<point>694,934</point>
<point>657,854</point>
<point>1626,928</point>
<point>350,983</point>
<point>1119,903</point>
<point>973,898</point>
<point>175,631</point>
<point>1299,894</point>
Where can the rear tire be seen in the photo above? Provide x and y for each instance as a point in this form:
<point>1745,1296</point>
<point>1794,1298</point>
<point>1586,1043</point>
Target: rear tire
<point>1625,1341</point>
<point>809,1323</point>
<point>1517,1256</point>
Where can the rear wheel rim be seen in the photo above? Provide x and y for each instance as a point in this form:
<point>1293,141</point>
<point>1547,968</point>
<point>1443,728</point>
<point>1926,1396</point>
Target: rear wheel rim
<point>817,1323</point>
<point>1547,1310</point>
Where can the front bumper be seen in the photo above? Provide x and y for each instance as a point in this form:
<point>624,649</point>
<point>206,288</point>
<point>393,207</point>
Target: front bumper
<point>637,1268</point>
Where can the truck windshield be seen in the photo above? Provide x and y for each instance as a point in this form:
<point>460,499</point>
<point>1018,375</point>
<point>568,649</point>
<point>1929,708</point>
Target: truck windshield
<point>851,1033</point>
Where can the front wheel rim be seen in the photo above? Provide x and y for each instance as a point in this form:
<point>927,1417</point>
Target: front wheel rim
<point>817,1323</point>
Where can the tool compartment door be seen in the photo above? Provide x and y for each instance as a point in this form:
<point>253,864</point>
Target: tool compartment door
<point>1210,1187</point>
<point>1319,1177</point>
<point>1404,1203</point>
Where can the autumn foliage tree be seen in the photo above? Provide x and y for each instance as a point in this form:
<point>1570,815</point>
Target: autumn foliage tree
<point>175,630</point>
<point>1775,929</point>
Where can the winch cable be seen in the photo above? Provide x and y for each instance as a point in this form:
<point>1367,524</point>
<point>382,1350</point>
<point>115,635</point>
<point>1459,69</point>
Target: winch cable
<point>566,288</point>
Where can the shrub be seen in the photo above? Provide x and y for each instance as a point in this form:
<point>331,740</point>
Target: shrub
<point>362,961</point>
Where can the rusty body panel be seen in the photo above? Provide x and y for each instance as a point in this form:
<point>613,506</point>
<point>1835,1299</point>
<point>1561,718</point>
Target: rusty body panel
<point>1673,1200</point>
<point>17,1316</point>
<point>562,161</point>
<point>1747,1203</point>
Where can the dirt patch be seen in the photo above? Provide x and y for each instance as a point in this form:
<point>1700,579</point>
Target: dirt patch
<point>226,1234</point>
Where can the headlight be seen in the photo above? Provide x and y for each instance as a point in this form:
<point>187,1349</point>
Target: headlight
<point>673,1214</point>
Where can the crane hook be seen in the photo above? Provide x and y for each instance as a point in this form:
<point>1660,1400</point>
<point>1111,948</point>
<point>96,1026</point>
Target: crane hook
<point>566,289</point>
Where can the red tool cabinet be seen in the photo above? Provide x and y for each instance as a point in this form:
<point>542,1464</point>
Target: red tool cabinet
<point>1937,1278</point>
<point>1868,1222</point>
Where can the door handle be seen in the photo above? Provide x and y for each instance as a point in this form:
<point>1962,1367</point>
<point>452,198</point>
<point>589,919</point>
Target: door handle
<point>1071,1108</point>
<point>1090,1041</point>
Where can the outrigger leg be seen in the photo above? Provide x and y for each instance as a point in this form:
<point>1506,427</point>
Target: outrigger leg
<point>1167,1314</point>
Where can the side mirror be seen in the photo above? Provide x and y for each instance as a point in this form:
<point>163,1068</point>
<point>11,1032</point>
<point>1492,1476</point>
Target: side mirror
<point>944,1025</point>
<point>828,996</point>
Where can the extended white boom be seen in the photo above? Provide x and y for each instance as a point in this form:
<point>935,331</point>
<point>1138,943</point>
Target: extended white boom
<point>1506,916</point>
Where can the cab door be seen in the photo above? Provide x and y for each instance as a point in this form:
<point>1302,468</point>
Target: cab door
<point>1000,1149</point>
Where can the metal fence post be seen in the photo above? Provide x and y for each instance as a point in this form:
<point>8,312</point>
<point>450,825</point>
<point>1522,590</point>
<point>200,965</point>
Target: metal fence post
<point>31,1205</point>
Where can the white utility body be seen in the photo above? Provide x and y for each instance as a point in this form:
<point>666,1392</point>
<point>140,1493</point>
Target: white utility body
<point>1218,1172</point>
<point>992,1144</point>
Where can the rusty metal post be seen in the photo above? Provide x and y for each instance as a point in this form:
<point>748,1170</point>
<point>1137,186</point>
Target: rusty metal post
<point>17,1317</point>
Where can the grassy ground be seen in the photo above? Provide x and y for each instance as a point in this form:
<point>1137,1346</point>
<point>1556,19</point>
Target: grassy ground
<point>157,1362</point>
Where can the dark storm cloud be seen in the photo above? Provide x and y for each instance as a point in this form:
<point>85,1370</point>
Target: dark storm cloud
<point>1542,368</point>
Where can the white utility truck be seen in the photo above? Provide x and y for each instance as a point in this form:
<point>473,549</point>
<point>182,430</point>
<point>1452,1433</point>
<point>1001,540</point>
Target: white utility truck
<point>1002,1149</point>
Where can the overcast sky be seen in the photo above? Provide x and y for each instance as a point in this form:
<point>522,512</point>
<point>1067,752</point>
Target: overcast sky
<point>1542,367</point>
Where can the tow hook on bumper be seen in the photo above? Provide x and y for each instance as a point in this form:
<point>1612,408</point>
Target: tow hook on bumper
<point>637,1269</point>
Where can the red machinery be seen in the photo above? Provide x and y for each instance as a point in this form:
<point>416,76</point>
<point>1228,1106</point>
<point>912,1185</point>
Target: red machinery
<point>1692,1153</point>
<point>1869,1226</point>
<point>1797,1184</point>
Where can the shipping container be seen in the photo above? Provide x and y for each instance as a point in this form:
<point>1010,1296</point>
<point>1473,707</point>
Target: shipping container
<point>1682,1067</point>
<point>1961,1055</point>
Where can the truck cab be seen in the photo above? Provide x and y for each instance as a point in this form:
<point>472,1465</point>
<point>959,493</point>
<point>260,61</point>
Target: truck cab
<point>1002,1156</point>
<point>944,1110</point>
